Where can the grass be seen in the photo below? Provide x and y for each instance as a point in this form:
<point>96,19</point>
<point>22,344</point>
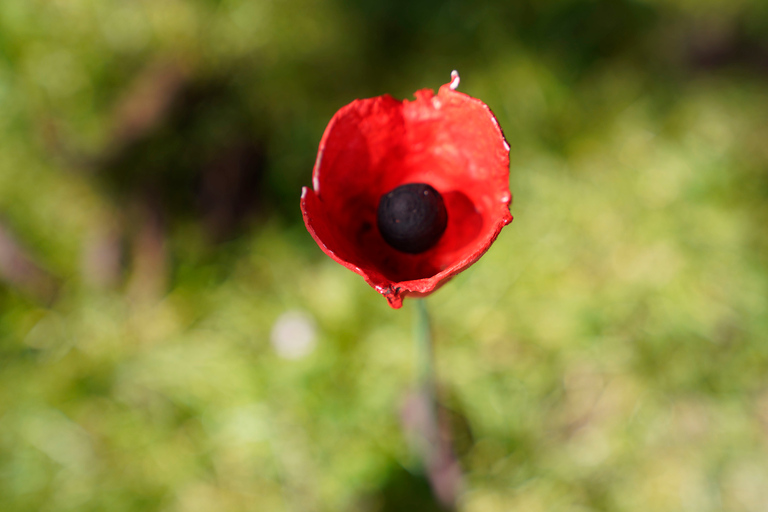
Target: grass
<point>607,354</point>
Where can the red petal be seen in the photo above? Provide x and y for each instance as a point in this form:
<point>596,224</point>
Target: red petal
<point>450,141</point>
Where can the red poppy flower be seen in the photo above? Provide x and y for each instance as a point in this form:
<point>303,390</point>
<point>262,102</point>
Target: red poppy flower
<point>449,141</point>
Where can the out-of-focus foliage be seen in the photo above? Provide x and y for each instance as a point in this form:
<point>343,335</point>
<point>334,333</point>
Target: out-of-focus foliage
<point>610,353</point>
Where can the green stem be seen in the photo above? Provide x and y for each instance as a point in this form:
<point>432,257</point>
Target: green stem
<point>426,367</point>
<point>439,462</point>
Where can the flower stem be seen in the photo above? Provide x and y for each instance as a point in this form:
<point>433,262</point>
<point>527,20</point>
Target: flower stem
<point>425,355</point>
<point>427,384</point>
<point>442,469</point>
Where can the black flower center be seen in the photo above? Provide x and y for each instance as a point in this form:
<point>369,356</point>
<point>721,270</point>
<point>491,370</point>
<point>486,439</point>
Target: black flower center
<point>412,217</point>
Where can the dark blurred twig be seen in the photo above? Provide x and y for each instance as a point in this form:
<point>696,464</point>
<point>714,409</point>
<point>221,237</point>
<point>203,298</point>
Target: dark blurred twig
<point>19,269</point>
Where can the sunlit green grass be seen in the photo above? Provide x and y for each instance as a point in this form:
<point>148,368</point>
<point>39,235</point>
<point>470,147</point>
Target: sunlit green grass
<point>608,353</point>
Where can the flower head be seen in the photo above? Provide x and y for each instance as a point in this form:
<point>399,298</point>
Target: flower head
<point>441,157</point>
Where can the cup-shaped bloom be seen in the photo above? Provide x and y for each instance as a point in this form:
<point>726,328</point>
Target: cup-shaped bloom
<point>449,141</point>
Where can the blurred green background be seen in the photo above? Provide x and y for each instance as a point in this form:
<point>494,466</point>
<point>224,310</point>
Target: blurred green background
<point>172,339</point>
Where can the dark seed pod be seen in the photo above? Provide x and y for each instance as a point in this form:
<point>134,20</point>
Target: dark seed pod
<point>412,217</point>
